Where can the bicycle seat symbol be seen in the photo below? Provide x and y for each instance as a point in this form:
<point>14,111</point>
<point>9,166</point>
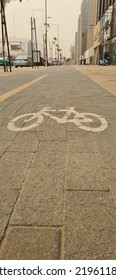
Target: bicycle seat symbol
<point>82,120</point>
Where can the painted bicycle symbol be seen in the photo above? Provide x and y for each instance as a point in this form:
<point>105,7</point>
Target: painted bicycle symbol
<point>82,120</point>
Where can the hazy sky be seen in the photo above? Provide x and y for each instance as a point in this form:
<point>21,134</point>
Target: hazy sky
<point>63,12</point>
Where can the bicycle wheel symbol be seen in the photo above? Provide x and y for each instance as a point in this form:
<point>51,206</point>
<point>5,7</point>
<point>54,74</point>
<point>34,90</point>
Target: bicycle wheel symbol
<point>82,120</point>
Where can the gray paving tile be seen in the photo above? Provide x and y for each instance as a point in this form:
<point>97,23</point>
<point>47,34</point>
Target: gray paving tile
<point>6,134</point>
<point>111,178</point>
<point>84,172</point>
<point>13,169</point>
<point>80,142</point>
<point>108,158</point>
<point>42,195</point>
<point>54,131</point>
<point>8,199</point>
<point>3,146</point>
<point>41,199</point>
<point>31,244</point>
<point>90,228</point>
<point>50,153</point>
<point>25,142</point>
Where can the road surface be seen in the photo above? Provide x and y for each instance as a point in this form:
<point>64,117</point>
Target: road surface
<point>57,166</point>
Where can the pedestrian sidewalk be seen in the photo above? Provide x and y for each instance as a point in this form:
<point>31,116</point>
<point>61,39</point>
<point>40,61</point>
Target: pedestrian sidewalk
<point>103,75</point>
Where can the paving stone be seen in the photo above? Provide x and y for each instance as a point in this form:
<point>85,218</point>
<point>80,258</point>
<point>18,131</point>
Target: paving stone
<point>105,137</point>
<point>5,134</point>
<point>41,199</point>
<point>7,202</point>
<point>106,145</point>
<point>84,171</point>
<point>13,169</point>
<point>80,142</point>
<point>31,244</point>
<point>39,202</point>
<point>108,159</point>
<point>50,153</point>
<point>25,142</point>
<point>111,177</point>
<point>3,146</point>
<point>54,131</point>
<point>90,228</point>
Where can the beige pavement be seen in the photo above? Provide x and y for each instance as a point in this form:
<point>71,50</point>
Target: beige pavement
<point>19,70</point>
<point>103,75</point>
<point>57,168</point>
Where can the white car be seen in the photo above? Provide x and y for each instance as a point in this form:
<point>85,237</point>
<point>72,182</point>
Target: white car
<point>22,61</point>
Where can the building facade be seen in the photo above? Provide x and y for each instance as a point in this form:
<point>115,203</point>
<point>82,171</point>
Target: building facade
<point>76,47</point>
<point>86,24</point>
<point>97,32</point>
<point>84,12</point>
<point>79,39</point>
<point>105,31</point>
<point>89,53</point>
<point>16,46</point>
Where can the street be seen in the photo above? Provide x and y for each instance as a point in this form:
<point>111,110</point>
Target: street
<point>57,165</point>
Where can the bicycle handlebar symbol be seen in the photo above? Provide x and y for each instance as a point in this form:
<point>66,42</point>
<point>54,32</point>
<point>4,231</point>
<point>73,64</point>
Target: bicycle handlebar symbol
<point>79,119</point>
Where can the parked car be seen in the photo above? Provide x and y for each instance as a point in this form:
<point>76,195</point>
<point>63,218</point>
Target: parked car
<point>22,61</point>
<point>2,61</point>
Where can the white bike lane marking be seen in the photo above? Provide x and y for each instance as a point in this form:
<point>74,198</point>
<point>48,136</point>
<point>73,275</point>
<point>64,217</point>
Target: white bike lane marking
<point>18,89</point>
<point>79,119</point>
<point>102,127</point>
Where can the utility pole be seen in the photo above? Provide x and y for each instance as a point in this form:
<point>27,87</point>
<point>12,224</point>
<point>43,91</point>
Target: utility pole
<point>43,47</point>
<point>34,47</point>
<point>36,41</point>
<point>4,36</point>
<point>32,40</point>
<point>46,26</point>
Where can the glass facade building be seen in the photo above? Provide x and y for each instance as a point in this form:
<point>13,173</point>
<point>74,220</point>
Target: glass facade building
<point>106,16</point>
<point>84,12</point>
<point>97,31</point>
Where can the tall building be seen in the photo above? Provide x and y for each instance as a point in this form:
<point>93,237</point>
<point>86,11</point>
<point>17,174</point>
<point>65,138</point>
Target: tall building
<point>89,54</point>
<point>105,31</point>
<point>76,47</point>
<point>86,23</point>
<point>79,39</point>
<point>97,31</point>
<point>84,12</point>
